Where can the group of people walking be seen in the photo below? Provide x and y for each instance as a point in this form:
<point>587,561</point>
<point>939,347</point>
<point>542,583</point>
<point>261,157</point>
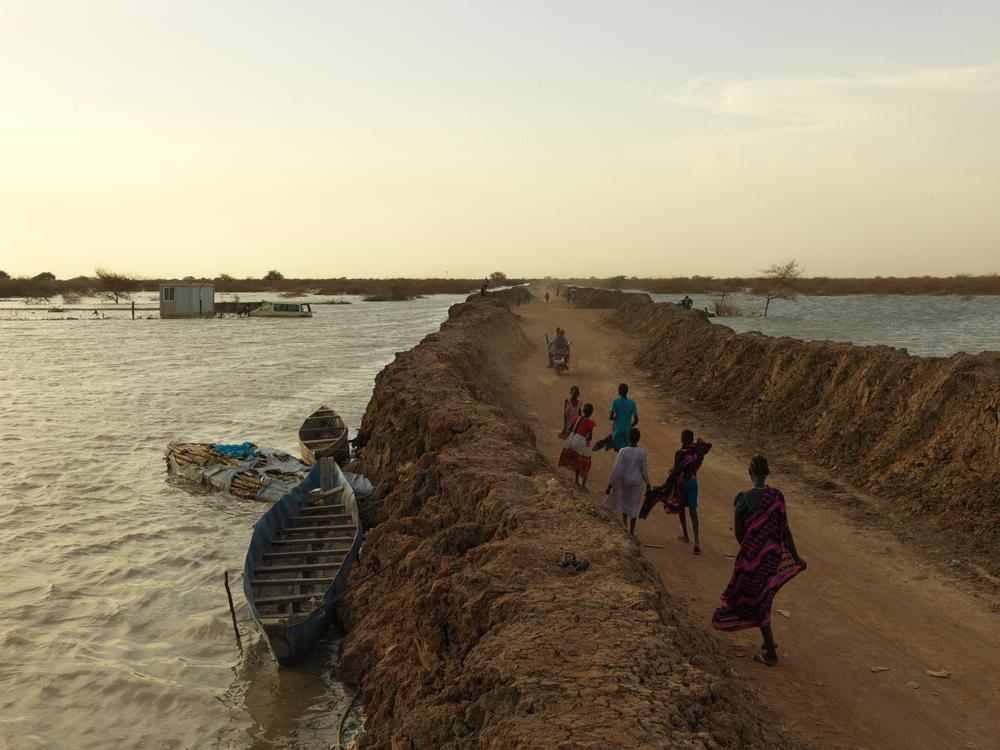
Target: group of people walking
<point>767,558</point>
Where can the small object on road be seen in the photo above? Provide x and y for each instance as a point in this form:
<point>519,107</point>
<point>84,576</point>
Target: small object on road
<point>570,564</point>
<point>880,669</point>
<point>941,674</point>
<point>913,684</point>
<point>956,562</point>
<point>784,612</point>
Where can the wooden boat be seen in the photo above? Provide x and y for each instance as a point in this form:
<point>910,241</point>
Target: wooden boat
<point>298,561</point>
<point>323,433</point>
<point>266,474</point>
<point>282,310</point>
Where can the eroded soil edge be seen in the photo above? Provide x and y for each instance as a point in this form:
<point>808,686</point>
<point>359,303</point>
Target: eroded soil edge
<point>472,635</point>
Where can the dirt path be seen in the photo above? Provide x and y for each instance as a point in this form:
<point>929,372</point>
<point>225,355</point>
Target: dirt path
<point>866,601</point>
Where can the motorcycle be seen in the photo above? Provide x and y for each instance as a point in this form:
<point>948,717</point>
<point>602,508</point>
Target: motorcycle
<point>558,360</point>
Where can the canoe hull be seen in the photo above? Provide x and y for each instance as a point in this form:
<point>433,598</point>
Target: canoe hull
<point>322,434</point>
<point>288,641</point>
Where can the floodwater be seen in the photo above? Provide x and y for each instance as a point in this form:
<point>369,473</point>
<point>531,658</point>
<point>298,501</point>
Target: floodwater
<point>114,626</point>
<point>925,325</point>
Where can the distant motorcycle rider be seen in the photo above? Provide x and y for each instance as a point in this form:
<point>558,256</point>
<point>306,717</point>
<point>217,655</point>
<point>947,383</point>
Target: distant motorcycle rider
<point>559,346</point>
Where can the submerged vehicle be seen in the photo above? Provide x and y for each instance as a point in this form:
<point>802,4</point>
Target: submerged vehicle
<point>282,310</point>
<point>298,561</point>
<point>323,433</point>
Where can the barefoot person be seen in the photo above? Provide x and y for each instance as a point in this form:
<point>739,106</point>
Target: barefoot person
<point>624,416</point>
<point>766,561</point>
<point>628,478</point>
<point>576,454</point>
<point>679,493</point>
<point>572,409</point>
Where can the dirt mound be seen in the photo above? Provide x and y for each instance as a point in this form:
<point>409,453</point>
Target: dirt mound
<point>592,297</point>
<point>477,637</point>
<point>921,431</point>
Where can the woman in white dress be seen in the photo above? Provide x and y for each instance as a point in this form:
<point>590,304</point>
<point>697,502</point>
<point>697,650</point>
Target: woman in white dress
<point>629,478</point>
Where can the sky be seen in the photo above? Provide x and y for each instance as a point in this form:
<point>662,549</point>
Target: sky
<point>434,138</point>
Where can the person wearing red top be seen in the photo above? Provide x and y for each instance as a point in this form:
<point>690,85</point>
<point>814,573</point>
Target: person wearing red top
<point>576,455</point>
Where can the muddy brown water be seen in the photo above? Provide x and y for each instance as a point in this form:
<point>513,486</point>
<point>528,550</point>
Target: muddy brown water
<point>114,629</point>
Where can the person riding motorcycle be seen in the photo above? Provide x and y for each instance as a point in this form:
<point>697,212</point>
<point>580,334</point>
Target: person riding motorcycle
<point>559,346</point>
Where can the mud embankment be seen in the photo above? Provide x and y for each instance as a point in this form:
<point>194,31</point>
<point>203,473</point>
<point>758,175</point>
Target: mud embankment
<point>476,638</point>
<point>920,432</point>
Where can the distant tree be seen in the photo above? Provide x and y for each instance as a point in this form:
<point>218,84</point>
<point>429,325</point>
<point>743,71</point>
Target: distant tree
<point>615,282</point>
<point>498,277</point>
<point>223,277</point>
<point>114,286</point>
<point>45,276</point>
<point>274,276</point>
<point>779,282</point>
<point>189,278</point>
<point>727,287</point>
<point>4,275</point>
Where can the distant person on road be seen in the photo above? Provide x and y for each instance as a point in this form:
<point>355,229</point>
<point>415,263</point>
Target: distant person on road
<point>558,344</point>
<point>766,561</point>
<point>572,409</point>
<point>679,492</point>
<point>576,454</point>
<point>624,416</point>
<point>629,476</point>
<point>546,296</point>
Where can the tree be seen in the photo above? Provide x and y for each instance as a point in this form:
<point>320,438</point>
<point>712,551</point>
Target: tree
<point>4,275</point>
<point>114,286</point>
<point>274,276</point>
<point>45,276</point>
<point>615,282</point>
<point>223,277</point>
<point>779,282</point>
<point>725,288</point>
<point>498,277</point>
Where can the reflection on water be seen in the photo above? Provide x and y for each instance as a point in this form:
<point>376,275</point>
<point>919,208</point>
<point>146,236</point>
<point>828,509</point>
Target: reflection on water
<point>113,623</point>
<point>925,325</point>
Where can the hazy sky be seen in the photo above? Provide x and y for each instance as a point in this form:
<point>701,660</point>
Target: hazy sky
<point>432,138</point>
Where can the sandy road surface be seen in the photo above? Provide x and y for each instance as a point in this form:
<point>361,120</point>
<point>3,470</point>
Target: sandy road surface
<point>865,601</point>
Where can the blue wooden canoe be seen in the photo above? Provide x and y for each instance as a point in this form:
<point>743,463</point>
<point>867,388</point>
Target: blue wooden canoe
<point>299,558</point>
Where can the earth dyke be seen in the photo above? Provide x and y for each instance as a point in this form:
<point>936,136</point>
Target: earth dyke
<point>468,633</point>
<point>922,432</point>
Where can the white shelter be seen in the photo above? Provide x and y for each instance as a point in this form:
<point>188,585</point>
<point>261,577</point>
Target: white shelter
<point>187,300</point>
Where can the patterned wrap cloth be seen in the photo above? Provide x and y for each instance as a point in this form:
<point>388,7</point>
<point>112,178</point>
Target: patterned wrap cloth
<point>764,564</point>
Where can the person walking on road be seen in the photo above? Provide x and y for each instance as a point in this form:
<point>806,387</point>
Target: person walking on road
<point>576,454</point>
<point>679,492</point>
<point>766,561</point>
<point>624,416</point>
<point>572,409</point>
<point>629,476</point>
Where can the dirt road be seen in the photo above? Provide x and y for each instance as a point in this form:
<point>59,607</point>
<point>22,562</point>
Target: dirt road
<point>866,600</point>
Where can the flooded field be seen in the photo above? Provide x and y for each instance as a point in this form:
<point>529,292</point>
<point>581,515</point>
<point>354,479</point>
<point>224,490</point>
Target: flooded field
<point>114,625</point>
<point>925,325</point>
